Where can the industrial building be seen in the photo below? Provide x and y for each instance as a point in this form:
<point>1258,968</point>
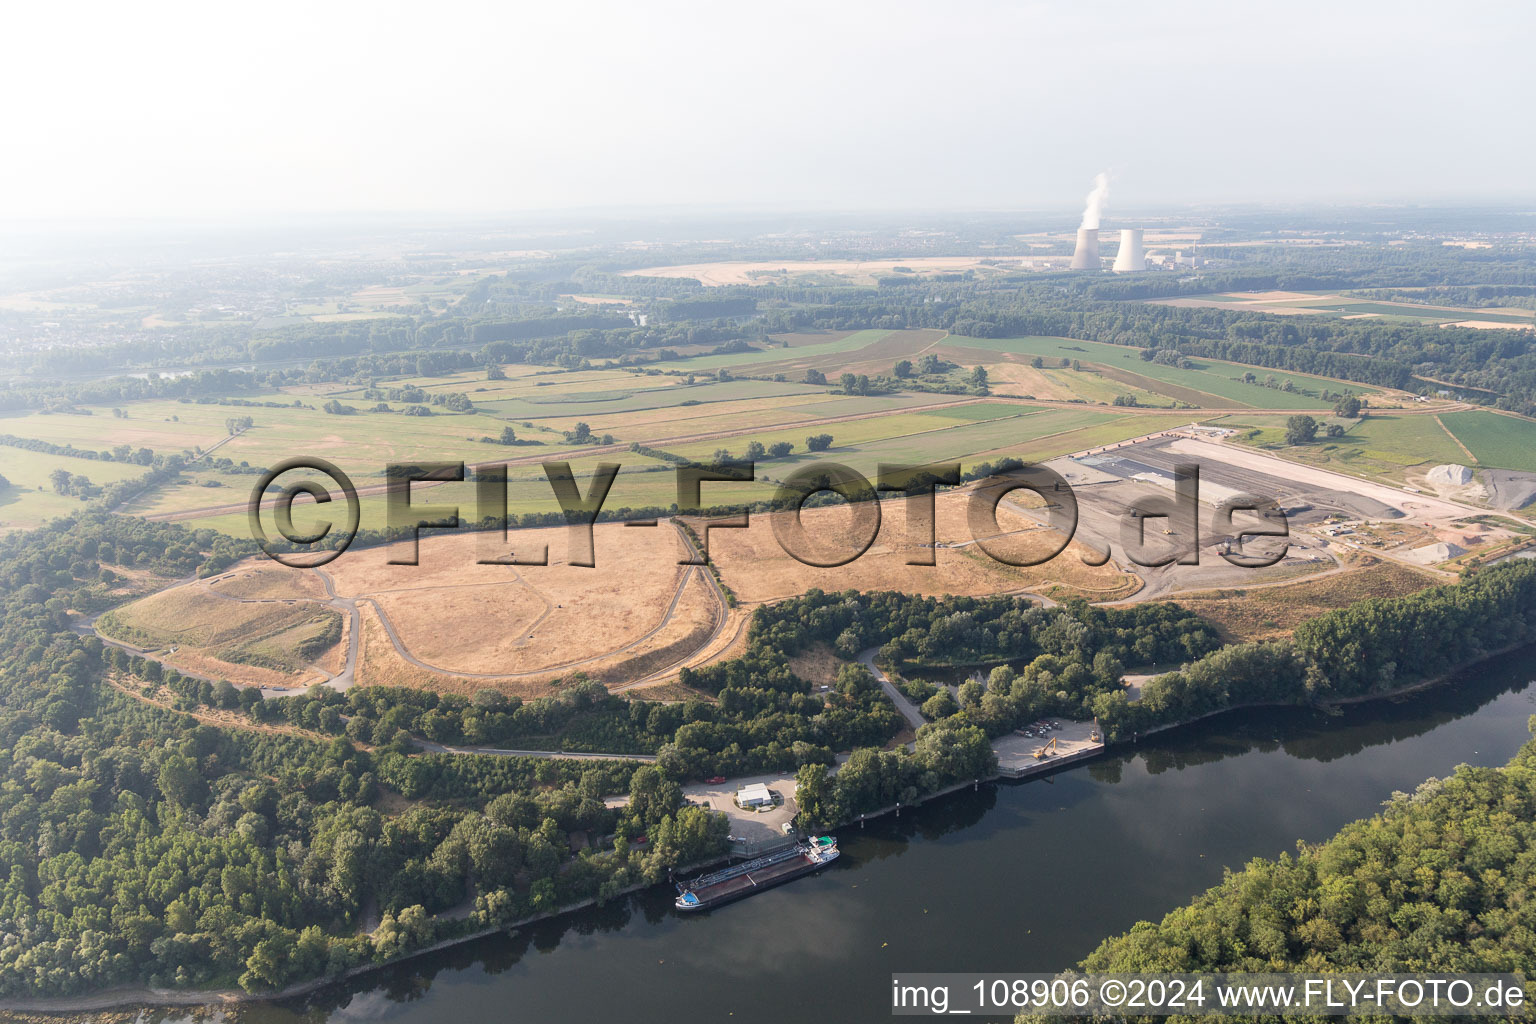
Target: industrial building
<point>1086,255</point>
<point>755,795</point>
<point>1132,256</point>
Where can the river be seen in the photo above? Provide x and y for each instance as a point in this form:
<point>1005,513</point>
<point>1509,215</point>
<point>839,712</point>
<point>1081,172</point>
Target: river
<point>1026,876</point>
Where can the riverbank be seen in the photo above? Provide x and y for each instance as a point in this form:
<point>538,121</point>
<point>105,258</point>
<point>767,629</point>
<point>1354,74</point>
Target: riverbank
<point>129,997</point>
<point>135,996</point>
<point>1336,702</point>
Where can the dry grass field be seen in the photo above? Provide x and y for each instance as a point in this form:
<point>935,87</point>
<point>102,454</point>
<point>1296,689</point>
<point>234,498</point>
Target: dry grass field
<point>757,569</point>
<point>454,625</point>
<point>1266,613</point>
<point>459,617</point>
<point>267,641</point>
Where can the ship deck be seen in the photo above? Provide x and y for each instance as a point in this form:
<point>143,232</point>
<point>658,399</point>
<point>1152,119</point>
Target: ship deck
<point>751,879</point>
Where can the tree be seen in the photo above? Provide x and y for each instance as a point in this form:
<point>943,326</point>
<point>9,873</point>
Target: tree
<point>902,369</point>
<point>60,479</point>
<point>970,693</point>
<point>1347,407</point>
<point>849,383</point>
<point>940,705</point>
<point>756,451</point>
<point>581,434</point>
<point>508,435</point>
<point>815,377</point>
<point>495,372</point>
<point>1335,430</point>
<point>1039,363</point>
<point>978,377</point>
<point>815,796</point>
<point>818,442</point>
<point>779,449</point>
<point>1300,429</point>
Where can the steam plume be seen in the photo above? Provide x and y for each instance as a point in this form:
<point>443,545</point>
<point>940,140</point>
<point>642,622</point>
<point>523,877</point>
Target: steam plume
<point>1096,201</point>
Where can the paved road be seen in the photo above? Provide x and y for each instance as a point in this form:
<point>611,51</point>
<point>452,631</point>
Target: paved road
<point>567,755</point>
<point>908,710</point>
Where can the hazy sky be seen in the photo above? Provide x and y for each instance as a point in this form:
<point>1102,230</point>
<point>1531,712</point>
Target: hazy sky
<point>222,109</point>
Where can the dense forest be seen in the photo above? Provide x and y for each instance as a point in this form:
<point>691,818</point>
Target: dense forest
<point>1370,647</point>
<point>145,845</point>
<point>1443,878</point>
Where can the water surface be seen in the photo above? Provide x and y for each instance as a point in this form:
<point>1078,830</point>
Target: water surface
<point>1026,876</point>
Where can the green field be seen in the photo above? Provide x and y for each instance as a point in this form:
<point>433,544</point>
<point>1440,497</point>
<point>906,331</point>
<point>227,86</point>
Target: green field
<point>1377,445</point>
<point>980,411</point>
<point>643,482</point>
<point>1221,381</point>
<point>1504,442</point>
<point>660,395</point>
<point>31,500</point>
<point>860,434</point>
<point>1095,387</point>
<point>361,444</point>
<point>745,360</point>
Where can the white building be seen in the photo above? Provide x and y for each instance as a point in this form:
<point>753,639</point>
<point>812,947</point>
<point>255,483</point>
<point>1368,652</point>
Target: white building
<point>755,795</point>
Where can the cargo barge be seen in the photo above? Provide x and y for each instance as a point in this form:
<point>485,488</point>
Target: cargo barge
<point>740,880</point>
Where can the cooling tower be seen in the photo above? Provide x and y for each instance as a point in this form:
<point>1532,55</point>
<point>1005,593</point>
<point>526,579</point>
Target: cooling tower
<point>1086,256</point>
<point>1131,259</point>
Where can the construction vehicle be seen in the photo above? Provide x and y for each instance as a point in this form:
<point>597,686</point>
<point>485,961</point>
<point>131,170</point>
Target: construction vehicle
<point>1041,753</point>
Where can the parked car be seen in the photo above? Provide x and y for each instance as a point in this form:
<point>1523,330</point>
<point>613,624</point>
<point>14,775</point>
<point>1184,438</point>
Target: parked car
<point>715,780</point>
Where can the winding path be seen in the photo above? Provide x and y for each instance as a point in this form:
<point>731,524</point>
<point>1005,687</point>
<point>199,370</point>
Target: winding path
<point>688,574</point>
<point>343,680</point>
<point>908,709</point>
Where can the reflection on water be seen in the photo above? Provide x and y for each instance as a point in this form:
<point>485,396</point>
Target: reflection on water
<point>1009,877</point>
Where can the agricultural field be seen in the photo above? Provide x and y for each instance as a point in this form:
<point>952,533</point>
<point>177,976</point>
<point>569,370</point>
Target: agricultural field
<point>1207,383</point>
<point>31,500</point>
<point>1056,384</point>
<point>1326,304</point>
<point>1380,445</point>
<point>813,272</point>
<point>835,351</point>
<point>364,442</point>
<point>1388,445</point>
<point>1495,440</point>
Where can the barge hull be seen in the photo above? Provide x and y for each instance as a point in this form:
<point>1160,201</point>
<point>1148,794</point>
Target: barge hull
<point>746,884</point>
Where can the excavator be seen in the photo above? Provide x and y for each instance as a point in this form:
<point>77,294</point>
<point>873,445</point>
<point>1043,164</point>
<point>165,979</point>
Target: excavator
<point>1041,753</point>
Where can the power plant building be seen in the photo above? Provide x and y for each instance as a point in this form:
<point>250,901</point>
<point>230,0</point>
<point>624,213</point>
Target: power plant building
<point>1132,256</point>
<point>1086,255</point>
